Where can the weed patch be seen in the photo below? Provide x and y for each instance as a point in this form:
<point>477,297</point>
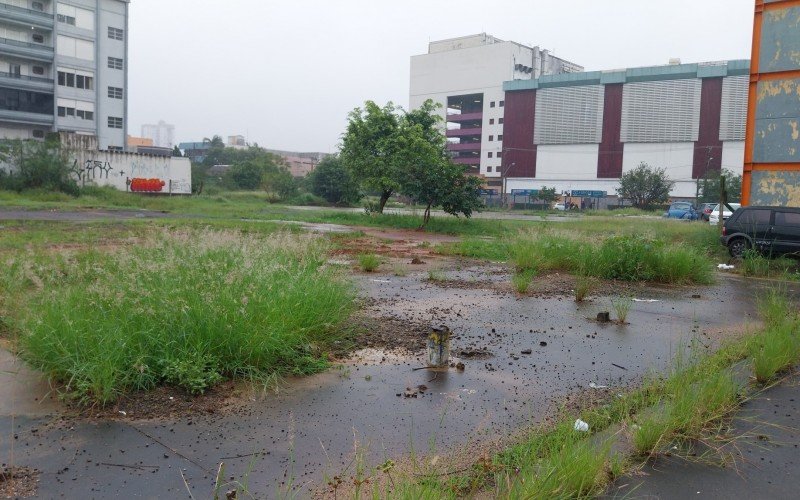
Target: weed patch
<point>184,307</point>
<point>369,262</point>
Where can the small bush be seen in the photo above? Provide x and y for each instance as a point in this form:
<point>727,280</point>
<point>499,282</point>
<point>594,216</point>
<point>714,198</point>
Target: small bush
<point>755,264</point>
<point>583,286</point>
<point>622,306</point>
<point>369,262</point>
<point>437,275</point>
<point>522,280</point>
<point>36,165</point>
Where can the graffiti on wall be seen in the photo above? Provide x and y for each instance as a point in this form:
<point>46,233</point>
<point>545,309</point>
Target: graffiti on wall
<point>91,169</point>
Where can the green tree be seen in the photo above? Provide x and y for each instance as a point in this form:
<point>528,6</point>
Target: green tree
<point>429,176</point>
<point>645,186</point>
<point>176,152</point>
<point>332,181</point>
<point>42,165</point>
<point>710,185</point>
<point>247,175</point>
<point>547,195</point>
<point>370,149</point>
<point>280,181</point>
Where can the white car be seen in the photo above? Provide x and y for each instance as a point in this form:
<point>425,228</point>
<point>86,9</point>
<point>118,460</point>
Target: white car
<point>560,207</point>
<point>713,217</point>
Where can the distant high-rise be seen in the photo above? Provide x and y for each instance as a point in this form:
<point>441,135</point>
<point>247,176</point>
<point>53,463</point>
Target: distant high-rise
<point>162,134</point>
<point>64,68</point>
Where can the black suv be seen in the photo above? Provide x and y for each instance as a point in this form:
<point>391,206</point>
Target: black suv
<point>772,231</point>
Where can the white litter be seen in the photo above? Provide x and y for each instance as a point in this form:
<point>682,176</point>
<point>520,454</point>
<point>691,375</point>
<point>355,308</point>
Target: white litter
<point>381,281</point>
<point>592,385</point>
<point>122,413</point>
<point>648,301</point>
<point>725,267</point>
<point>581,426</point>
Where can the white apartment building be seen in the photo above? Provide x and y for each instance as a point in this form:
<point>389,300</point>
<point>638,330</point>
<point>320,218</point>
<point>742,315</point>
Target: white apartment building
<point>64,68</point>
<point>162,134</point>
<point>465,76</point>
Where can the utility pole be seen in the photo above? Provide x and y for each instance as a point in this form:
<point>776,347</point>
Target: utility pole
<point>723,200</point>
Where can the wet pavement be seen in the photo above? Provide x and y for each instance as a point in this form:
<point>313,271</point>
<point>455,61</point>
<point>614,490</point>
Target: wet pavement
<point>293,438</point>
<point>762,461</point>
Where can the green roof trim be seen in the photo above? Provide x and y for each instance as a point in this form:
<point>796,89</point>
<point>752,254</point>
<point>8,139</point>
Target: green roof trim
<point>646,74</point>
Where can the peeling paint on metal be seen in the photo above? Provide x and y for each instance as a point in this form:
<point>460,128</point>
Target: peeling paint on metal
<point>776,189</point>
<point>780,40</point>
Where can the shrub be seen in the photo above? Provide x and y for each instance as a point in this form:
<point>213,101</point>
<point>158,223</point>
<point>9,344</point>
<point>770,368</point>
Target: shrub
<point>369,262</point>
<point>522,280</point>
<point>754,264</point>
<point>36,165</point>
<point>622,306</point>
<point>583,286</point>
<point>332,181</point>
<point>185,307</point>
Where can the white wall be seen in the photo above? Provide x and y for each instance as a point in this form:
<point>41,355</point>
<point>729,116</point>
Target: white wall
<point>105,168</point>
<point>733,156</point>
<point>577,161</point>
<point>676,157</point>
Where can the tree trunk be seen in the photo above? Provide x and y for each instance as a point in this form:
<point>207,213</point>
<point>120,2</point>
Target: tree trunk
<point>384,198</point>
<point>426,217</point>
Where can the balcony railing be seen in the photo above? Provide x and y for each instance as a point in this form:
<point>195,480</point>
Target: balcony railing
<point>15,76</point>
<point>462,132</point>
<point>28,45</point>
<point>463,117</point>
<point>473,146</point>
<point>23,10</point>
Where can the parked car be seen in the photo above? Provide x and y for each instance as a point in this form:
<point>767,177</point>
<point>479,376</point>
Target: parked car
<point>772,231</point>
<point>705,210</point>
<point>713,217</point>
<point>560,207</point>
<point>682,210</point>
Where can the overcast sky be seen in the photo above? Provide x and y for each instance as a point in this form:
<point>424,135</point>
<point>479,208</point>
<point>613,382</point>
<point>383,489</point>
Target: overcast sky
<point>285,74</point>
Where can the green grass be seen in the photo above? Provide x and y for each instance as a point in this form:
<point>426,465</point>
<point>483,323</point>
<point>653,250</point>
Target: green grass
<point>522,280</point>
<point>369,262</point>
<point>184,307</point>
<point>622,306</point>
<point>583,287</point>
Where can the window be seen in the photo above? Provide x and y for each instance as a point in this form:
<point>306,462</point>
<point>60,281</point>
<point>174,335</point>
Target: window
<point>787,219</point>
<point>491,137</point>
<point>38,134</point>
<point>491,104</point>
<point>37,38</point>
<point>40,7</point>
<point>76,79</point>
<point>114,122</point>
<point>500,137</point>
<point>15,70</point>
<point>489,169</point>
<point>490,154</point>
<point>73,47</point>
<point>115,148</point>
<point>37,70</point>
<point>755,217</point>
<point>499,154</point>
<point>75,16</point>
<point>116,34</point>
<point>500,121</point>
<point>66,19</point>
<point>491,121</point>
<point>502,104</point>
<point>114,93</point>
<point>114,63</point>
<point>69,108</point>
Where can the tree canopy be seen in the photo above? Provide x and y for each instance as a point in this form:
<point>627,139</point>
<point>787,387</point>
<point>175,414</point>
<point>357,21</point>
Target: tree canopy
<point>332,181</point>
<point>710,186</point>
<point>645,186</point>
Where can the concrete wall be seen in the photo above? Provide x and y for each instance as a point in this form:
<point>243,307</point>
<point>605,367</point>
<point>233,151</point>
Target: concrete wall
<point>108,168</point>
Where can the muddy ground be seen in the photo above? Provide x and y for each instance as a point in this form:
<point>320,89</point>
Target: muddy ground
<point>524,357</point>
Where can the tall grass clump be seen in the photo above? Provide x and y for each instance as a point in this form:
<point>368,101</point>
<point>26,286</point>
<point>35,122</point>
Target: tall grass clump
<point>522,280</point>
<point>778,348</point>
<point>187,308</point>
<point>583,286</point>
<point>622,306</point>
<point>755,264</point>
<point>369,262</point>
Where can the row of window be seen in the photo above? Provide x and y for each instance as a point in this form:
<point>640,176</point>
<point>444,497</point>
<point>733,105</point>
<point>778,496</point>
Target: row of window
<point>499,121</point>
<point>66,111</point>
<point>115,63</point>
<point>75,79</point>
<point>499,154</point>
<point>501,104</point>
<point>499,137</point>
<point>498,169</point>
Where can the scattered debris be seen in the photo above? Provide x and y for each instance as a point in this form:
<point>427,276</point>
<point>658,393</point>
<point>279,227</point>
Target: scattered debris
<point>592,385</point>
<point>581,426</point>
<point>543,343</point>
<point>725,267</point>
<point>648,301</point>
<point>381,281</point>
<point>475,353</point>
<point>696,296</point>
<point>417,261</point>
<point>620,367</point>
<point>527,351</point>
<point>604,317</point>
<point>18,482</point>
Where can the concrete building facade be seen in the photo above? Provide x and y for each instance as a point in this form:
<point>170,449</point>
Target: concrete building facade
<point>64,68</point>
<point>465,76</point>
<point>582,131</point>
